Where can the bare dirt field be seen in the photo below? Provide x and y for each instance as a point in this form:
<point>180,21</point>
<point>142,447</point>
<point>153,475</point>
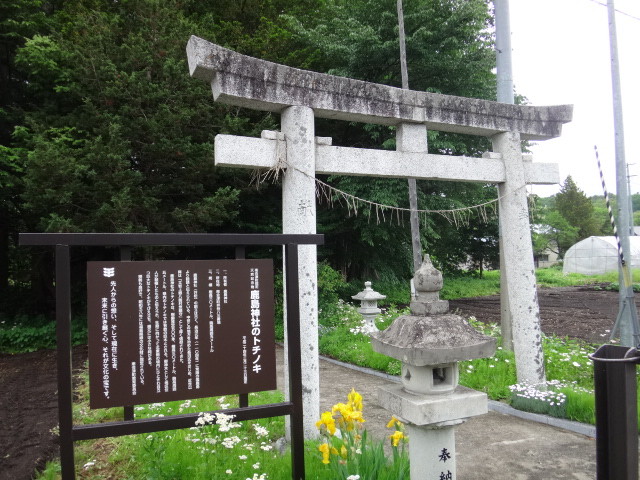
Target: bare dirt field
<point>28,399</point>
<point>583,312</point>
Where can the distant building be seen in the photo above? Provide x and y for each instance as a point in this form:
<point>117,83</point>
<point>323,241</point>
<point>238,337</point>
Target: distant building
<point>546,258</point>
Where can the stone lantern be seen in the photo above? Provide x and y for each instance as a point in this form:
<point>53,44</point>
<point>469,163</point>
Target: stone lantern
<point>430,342</point>
<point>369,306</point>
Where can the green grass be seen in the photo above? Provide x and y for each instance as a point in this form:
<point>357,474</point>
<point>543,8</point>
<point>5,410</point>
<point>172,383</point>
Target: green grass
<point>553,277</point>
<point>203,452</point>
<point>470,284</point>
<point>339,340</point>
<point>568,369</point>
<point>465,286</point>
<point>242,450</point>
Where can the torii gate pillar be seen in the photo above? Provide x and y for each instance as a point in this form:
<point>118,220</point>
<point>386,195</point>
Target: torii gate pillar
<point>518,255</point>
<point>299,216</point>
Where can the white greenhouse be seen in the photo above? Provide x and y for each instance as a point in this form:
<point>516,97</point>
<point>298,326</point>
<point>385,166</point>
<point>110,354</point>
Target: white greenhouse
<point>596,255</point>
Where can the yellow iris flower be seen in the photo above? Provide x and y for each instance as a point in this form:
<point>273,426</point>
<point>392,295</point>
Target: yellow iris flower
<point>347,416</point>
<point>393,422</point>
<point>342,408</point>
<point>343,452</point>
<point>396,437</point>
<point>326,420</point>
<point>324,448</point>
<point>355,400</point>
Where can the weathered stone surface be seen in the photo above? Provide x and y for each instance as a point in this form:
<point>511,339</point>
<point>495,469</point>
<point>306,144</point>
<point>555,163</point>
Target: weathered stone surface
<point>250,152</point>
<point>245,81</point>
<point>418,165</point>
<point>430,379</point>
<point>299,216</point>
<point>433,340</point>
<point>426,449</point>
<point>519,272</point>
<point>427,278</point>
<point>428,282</point>
<point>368,294</point>
<point>368,299</point>
<point>434,307</point>
<point>432,409</point>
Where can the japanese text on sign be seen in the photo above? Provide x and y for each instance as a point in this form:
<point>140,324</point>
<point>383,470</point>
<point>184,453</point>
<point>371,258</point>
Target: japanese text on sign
<point>148,316</point>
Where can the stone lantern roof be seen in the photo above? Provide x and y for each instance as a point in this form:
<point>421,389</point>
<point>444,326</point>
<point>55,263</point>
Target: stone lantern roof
<point>368,294</point>
<point>430,335</point>
<point>432,340</point>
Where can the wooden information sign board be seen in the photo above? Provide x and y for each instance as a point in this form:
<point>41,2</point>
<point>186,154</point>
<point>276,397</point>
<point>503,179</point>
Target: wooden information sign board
<point>177,330</point>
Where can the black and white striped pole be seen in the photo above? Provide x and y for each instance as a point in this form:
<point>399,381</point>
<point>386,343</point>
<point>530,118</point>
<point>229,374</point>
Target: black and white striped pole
<point>627,320</point>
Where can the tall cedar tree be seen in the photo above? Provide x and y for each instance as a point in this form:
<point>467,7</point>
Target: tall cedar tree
<point>449,50</point>
<point>577,209</point>
<point>115,136</point>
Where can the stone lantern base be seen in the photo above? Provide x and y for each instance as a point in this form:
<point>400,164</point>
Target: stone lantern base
<point>430,422</point>
<point>433,410</point>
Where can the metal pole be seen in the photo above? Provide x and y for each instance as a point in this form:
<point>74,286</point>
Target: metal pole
<point>505,95</point>
<point>631,227</point>
<point>503,51</point>
<point>627,321</point>
<point>413,189</point>
<point>403,48</point>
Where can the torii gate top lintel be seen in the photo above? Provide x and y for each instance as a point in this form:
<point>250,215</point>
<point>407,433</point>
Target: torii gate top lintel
<point>245,81</point>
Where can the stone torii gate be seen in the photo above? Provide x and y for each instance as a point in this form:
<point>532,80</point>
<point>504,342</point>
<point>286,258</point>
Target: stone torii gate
<point>300,95</point>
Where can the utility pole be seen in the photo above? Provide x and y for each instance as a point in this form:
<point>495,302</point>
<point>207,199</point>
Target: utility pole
<point>503,51</point>
<point>505,95</point>
<point>627,320</point>
<point>631,227</point>
<point>413,189</point>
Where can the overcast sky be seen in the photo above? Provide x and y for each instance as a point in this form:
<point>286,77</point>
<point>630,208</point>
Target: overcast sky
<point>561,56</point>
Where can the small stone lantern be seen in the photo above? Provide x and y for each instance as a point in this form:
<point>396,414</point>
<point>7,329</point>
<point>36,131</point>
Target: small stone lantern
<point>369,306</point>
<point>430,342</point>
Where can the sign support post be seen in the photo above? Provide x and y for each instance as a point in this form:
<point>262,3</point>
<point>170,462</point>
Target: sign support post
<point>63,339</point>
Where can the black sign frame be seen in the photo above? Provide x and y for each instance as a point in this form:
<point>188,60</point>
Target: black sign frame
<point>70,433</point>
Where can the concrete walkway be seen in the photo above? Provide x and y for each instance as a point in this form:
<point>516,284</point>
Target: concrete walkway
<point>492,446</point>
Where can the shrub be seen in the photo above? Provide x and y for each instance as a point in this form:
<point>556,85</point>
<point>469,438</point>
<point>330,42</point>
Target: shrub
<point>30,333</point>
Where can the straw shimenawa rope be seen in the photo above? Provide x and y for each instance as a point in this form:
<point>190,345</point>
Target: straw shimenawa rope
<point>330,194</point>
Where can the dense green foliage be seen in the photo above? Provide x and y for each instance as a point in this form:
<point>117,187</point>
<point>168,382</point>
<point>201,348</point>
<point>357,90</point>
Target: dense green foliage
<point>31,333</point>
<point>448,51</point>
<point>103,130</point>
